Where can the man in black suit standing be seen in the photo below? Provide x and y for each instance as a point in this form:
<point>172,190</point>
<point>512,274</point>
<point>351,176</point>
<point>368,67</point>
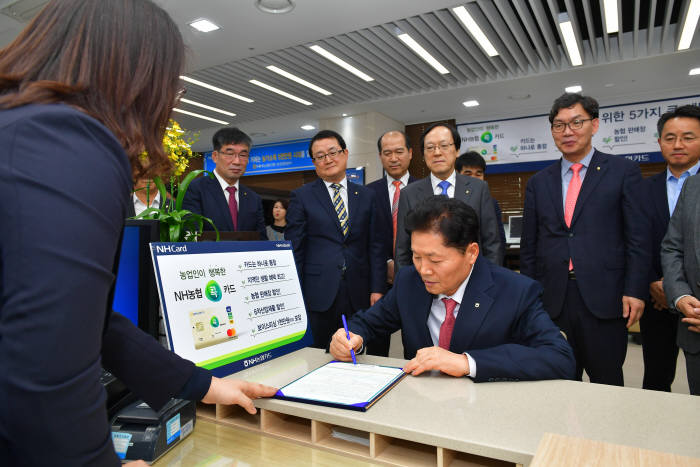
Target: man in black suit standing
<point>395,154</point>
<point>659,324</point>
<point>585,239</point>
<point>231,205</point>
<point>440,145</point>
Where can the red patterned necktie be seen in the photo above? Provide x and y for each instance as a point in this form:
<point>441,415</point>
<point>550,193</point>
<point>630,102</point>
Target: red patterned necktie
<point>233,205</point>
<point>571,196</point>
<point>395,207</point>
<point>448,325</point>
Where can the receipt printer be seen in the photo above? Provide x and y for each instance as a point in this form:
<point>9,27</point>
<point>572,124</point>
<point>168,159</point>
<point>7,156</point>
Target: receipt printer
<point>139,432</point>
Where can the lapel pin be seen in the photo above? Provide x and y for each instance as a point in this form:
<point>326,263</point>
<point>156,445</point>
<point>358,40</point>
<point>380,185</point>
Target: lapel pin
<point>476,305</point>
<point>355,193</point>
<point>466,192</point>
<point>597,168</point>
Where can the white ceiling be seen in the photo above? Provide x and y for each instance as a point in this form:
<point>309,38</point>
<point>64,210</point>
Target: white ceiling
<point>619,68</point>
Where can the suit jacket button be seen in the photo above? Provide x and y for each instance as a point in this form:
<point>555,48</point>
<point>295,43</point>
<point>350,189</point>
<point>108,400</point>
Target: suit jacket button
<point>571,234</point>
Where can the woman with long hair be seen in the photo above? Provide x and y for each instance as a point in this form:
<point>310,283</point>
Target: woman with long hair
<point>84,89</point>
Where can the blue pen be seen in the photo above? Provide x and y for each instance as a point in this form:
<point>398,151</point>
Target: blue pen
<point>347,333</point>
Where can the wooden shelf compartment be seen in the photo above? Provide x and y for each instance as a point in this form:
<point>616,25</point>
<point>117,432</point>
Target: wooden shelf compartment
<point>207,411</point>
<point>401,452</point>
<point>340,438</point>
<point>449,458</point>
<point>285,426</point>
<point>237,416</point>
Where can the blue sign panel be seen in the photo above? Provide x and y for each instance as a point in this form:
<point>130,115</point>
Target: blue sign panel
<point>290,156</point>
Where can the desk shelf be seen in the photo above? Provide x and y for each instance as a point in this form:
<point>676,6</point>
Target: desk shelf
<point>335,438</point>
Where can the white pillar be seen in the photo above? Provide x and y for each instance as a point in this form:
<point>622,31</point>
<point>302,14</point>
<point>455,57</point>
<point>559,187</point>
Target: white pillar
<point>360,133</point>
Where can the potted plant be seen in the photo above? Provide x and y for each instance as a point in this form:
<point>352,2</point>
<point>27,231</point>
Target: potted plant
<point>176,224</point>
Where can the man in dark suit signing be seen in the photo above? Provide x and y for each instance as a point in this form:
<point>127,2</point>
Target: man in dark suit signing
<point>337,250</point>
<point>659,324</point>
<point>395,154</point>
<point>440,145</point>
<point>459,313</point>
<point>231,205</point>
<point>585,239</point>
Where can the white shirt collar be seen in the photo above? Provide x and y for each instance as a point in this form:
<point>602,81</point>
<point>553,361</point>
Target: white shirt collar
<point>403,179</point>
<point>434,181</point>
<point>343,183</point>
<point>459,294</point>
<point>224,184</point>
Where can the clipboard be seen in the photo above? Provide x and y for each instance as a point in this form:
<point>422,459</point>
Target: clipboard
<point>343,385</point>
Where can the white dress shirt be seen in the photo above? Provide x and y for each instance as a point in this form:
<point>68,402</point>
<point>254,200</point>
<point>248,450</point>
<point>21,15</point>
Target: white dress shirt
<point>437,317</point>
<point>392,188</point>
<point>140,206</point>
<point>434,181</point>
<point>343,193</point>
<point>224,184</point>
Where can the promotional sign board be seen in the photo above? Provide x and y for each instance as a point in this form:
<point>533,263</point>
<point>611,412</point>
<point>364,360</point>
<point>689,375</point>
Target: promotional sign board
<point>521,144</point>
<point>230,305</point>
<point>290,156</point>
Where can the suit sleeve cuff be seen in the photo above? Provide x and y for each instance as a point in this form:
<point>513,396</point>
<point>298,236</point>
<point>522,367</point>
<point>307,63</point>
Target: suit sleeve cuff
<point>197,386</point>
<point>675,302</point>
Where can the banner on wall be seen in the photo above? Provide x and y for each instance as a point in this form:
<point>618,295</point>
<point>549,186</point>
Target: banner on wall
<point>290,156</point>
<point>526,143</point>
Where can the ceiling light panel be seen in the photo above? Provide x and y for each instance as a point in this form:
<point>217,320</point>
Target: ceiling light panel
<point>299,80</point>
<point>475,31</point>
<point>422,53</point>
<point>204,25</point>
<point>611,16</point>
<point>203,117</point>
<point>694,71</point>
<point>208,107</point>
<point>571,45</point>
<point>340,62</point>
<point>471,103</point>
<point>280,92</point>
<point>573,89</point>
<point>689,25</point>
<point>216,89</point>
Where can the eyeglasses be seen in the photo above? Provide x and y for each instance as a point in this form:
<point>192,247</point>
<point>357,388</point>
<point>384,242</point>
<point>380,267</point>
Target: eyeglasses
<point>577,124</point>
<point>230,155</point>
<point>333,153</point>
<point>429,149</point>
<point>685,139</point>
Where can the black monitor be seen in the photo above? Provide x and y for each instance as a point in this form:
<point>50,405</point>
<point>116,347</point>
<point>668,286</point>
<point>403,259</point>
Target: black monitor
<point>135,292</point>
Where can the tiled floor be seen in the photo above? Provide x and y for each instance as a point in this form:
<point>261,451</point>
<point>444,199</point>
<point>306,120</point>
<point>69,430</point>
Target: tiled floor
<point>633,367</point>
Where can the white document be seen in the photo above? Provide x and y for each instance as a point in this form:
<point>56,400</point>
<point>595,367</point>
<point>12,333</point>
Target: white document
<point>343,383</point>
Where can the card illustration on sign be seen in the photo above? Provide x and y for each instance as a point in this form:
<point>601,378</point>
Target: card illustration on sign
<point>227,303</point>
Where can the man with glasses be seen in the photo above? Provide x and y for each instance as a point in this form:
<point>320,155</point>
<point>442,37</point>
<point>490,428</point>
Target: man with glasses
<point>231,205</point>
<point>337,250</point>
<point>585,239</point>
<point>440,145</point>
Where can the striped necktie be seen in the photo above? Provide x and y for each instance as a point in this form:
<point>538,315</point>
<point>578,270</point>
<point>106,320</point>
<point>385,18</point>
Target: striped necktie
<point>340,208</point>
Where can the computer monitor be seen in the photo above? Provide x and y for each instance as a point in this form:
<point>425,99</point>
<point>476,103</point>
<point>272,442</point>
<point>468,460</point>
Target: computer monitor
<point>135,292</point>
<point>515,229</point>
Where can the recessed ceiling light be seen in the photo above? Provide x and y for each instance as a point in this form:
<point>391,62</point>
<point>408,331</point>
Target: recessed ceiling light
<point>208,107</point>
<point>567,31</point>
<point>301,81</point>
<point>308,127</point>
<point>611,18</point>
<point>573,89</point>
<point>203,117</point>
<point>344,115</point>
<point>214,88</point>
<point>279,91</point>
<point>475,31</point>
<point>471,103</point>
<point>422,53</point>
<point>340,62</point>
<point>275,7</point>
<point>694,71</point>
<point>204,25</point>
<point>689,25</point>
